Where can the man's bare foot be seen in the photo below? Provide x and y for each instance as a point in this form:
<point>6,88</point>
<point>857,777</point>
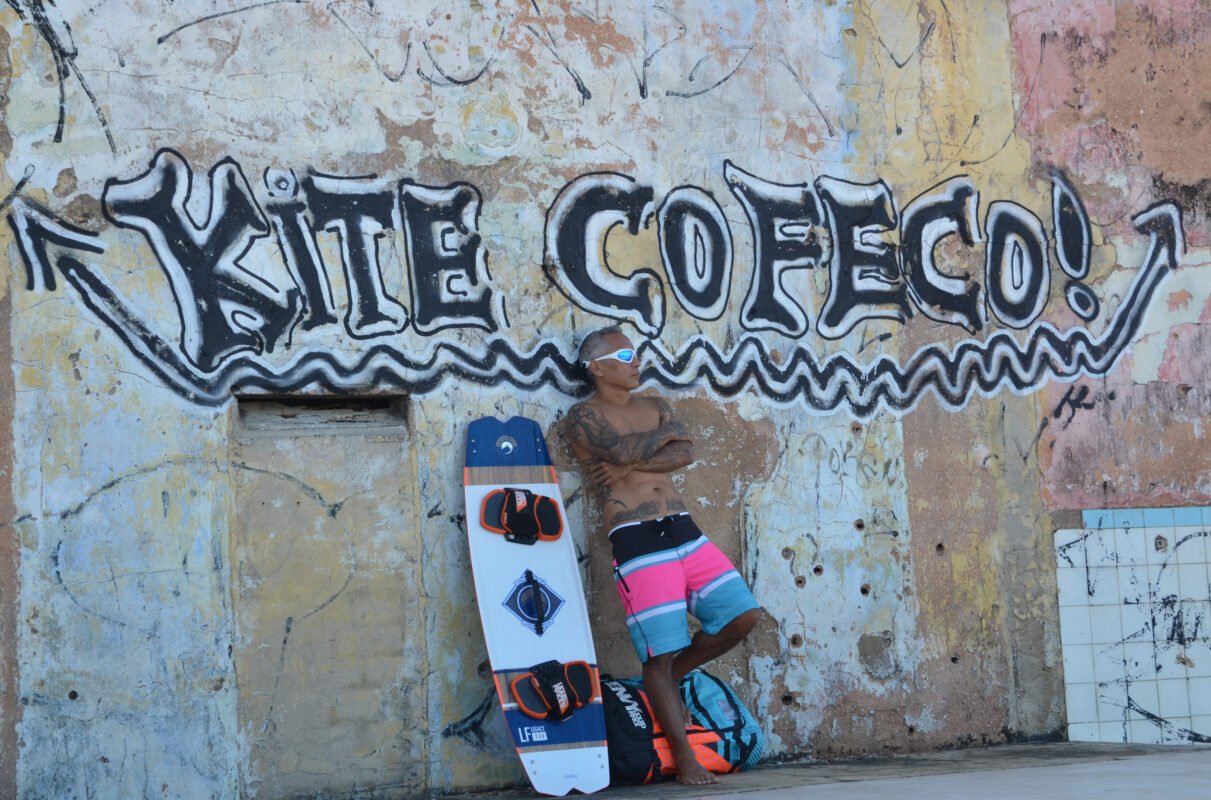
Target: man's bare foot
<point>694,774</point>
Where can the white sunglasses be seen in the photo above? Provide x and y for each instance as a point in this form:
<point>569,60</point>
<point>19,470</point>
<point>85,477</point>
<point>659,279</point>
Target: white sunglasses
<point>626,355</point>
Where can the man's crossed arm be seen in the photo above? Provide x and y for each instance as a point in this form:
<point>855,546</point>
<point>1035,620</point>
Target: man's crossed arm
<point>665,448</point>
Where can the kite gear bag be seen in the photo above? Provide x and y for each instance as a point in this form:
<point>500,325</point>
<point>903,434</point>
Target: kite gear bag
<point>521,516</point>
<point>552,690</point>
<point>724,734</point>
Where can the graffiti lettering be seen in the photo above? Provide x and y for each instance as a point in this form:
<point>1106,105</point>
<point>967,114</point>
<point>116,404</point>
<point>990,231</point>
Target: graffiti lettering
<point>446,261</point>
<point>696,248</point>
<point>1018,274</point>
<point>786,222</point>
<point>359,212</point>
<point>577,224</point>
<point>866,282</point>
<point>1077,399</point>
<point>947,210</point>
<point>296,238</point>
<point>35,228</point>
<point>223,308</point>
<point>233,318</point>
<point>1073,245</point>
<point>848,463</point>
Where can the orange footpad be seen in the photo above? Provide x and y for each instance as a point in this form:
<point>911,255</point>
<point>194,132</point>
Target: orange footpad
<point>552,690</point>
<point>522,516</point>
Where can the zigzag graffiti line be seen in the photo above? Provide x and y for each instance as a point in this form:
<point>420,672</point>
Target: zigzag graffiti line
<point>824,386</point>
<point>997,362</point>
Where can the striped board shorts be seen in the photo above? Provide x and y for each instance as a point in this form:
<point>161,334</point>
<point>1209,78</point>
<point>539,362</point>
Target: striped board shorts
<point>665,567</point>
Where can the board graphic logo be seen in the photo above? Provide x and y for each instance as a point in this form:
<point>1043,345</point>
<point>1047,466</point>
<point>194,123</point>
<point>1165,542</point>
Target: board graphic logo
<point>506,445</point>
<point>628,702</point>
<point>537,733</point>
<point>533,602</point>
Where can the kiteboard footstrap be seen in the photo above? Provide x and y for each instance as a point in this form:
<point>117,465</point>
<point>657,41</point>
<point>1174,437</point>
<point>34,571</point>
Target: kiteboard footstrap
<point>521,516</point>
<point>552,690</point>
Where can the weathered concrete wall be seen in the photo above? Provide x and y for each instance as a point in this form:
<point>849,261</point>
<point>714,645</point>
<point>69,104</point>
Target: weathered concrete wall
<point>925,280</point>
<point>10,709</point>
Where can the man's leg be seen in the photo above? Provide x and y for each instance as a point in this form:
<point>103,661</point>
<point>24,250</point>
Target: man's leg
<point>667,706</point>
<point>705,647</point>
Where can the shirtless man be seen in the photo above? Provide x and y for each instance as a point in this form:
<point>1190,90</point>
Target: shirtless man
<point>630,446</point>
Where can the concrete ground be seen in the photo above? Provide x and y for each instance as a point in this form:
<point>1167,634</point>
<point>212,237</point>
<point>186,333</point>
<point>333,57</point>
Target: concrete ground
<point>1068,770</point>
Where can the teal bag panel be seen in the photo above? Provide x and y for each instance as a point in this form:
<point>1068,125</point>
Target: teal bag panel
<point>715,706</point>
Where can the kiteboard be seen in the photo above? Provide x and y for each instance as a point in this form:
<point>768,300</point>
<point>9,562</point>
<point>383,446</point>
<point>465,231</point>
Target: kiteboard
<point>532,605</point>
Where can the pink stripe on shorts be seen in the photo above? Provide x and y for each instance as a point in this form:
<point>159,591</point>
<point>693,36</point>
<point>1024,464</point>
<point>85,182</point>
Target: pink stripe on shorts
<point>666,567</point>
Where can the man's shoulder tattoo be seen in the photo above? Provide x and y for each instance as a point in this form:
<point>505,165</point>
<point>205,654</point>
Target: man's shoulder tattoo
<point>589,425</point>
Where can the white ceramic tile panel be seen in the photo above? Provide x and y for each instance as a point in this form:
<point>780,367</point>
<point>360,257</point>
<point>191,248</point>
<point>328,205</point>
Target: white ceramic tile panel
<point>1073,587</point>
<point>1082,702</point>
<point>1174,699</point>
<point>1078,663</point>
<point>1105,624</point>
<point>1084,732</point>
<point>1140,660</point>
<point>1074,625</point>
<point>1177,731</point>
<point>1111,702</point>
<point>1144,732</point>
<point>1137,620</point>
<point>1134,593</point>
<point>1143,699</point>
<point>1103,586</point>
<point>1108,667</point>
<point>1190,544</point>
<point>1200,697</point>
<point>1112,732</point>
<point>1132,547</point>
<point>1162,581</point>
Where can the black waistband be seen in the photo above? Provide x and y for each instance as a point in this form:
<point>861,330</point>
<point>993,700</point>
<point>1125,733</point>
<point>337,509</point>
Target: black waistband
<point>658,521</point>
<point>652,536</point>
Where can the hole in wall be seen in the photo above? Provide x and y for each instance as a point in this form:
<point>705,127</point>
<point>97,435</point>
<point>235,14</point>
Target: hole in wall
<point>796,640</point>
<point>800,581</point>
<point>860,524</point>
<point>303,414</point>
<point>940,549</point>
<point>865,590</point>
